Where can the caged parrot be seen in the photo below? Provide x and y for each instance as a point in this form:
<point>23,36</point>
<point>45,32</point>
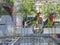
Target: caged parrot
<point>9,9</point>
<point>33,20</point>
<point>49,21</point>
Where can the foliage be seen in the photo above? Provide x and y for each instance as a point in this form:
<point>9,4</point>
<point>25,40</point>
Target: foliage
<point>28,6</point>
<point>49,8</point>
<point>2,11</point>
<point>11,2</point>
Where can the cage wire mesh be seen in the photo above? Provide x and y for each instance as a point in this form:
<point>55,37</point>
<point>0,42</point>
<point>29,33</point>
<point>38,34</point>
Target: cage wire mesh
<point>26,36</point>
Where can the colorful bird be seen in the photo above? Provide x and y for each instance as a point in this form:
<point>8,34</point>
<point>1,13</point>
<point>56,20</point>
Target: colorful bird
<point>9,9</point>
<point>47,23</point>
<point>33,20</point>
<point>49,20</point>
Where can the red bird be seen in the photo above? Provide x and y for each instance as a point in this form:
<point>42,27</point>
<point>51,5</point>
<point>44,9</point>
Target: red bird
<point>9,9</point>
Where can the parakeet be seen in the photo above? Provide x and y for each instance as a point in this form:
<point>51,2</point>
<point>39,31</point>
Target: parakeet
<point>35,19</point>
<point>49,20</point>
